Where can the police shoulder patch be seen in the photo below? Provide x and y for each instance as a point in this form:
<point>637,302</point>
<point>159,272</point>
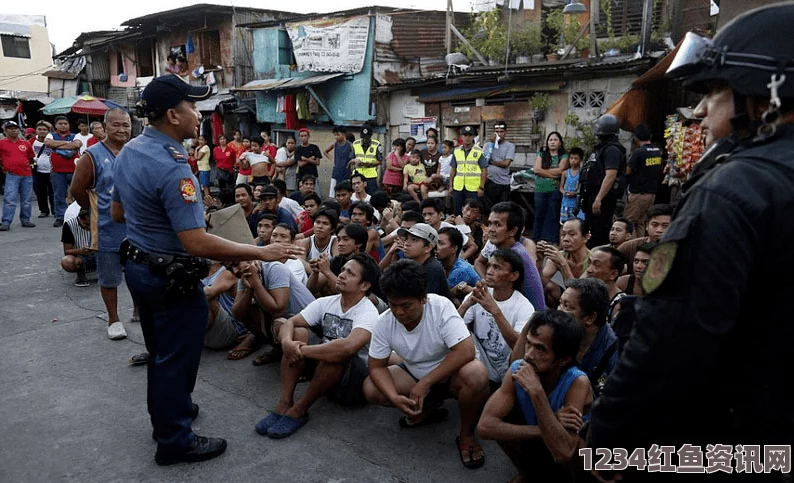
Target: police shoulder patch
<point>188,190</point>
<point>659,266</point>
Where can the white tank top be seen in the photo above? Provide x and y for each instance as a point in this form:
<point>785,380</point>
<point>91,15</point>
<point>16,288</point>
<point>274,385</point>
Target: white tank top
<point>315,252</point>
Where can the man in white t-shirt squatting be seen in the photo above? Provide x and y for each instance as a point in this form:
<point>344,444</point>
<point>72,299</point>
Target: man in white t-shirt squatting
<point>437,354</point>
<point>339,363</point>
<point>497,312</point>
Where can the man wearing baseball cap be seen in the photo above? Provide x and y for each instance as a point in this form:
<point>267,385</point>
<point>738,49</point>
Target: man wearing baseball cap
<point>15,157</point>
<point>420,246</point>
<point>468,170</point>
<point>369,156</point>
<point>157,196</point>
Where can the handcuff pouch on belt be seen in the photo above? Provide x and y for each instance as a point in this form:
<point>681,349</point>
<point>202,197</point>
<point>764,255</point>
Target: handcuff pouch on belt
<point>182,272</point>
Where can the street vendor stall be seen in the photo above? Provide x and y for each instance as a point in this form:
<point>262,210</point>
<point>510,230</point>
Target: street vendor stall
<point>684,142</point>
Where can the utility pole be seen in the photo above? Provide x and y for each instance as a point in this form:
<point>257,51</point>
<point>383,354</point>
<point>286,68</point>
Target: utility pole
<point>448,32</point>
<point>647,26</point>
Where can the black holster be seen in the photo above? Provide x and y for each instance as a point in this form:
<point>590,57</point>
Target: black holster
<point>183,273</point>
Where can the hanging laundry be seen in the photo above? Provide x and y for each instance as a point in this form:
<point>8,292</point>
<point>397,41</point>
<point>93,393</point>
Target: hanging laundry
<point>314,107</point>
<point>189,47</point>
<point>303,106</point>
<point>217,127</point>
<point>290,114</point>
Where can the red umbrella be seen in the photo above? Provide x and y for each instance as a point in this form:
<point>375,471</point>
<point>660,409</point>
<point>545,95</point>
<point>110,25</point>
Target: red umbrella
<point>92,106</point>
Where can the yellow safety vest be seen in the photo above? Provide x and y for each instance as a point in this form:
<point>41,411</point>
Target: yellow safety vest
<point>369,156</point>
<point>467,173</point>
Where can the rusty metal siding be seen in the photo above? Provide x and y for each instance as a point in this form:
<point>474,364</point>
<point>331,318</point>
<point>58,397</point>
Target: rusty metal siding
<point>98,66</point>
<point>418,35</point>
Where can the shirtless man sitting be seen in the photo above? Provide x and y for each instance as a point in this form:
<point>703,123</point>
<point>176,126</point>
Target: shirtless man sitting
<point>630,284</point>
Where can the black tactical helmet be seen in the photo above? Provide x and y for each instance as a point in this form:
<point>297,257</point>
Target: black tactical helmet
<point>607,125</point>
<point>746,53</point>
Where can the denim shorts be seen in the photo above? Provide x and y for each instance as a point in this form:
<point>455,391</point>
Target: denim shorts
<point>204,178</point>
<point>108,269</point>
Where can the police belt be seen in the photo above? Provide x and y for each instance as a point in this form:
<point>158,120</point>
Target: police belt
<point>183,272</point>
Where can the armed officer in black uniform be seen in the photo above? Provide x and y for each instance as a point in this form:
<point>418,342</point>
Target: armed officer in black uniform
<point>157,194</point>
<point>709,359</point>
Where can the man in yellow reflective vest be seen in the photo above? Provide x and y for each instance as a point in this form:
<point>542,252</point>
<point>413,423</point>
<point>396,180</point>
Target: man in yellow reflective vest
<point>369,156</point>
<point>468,170</point>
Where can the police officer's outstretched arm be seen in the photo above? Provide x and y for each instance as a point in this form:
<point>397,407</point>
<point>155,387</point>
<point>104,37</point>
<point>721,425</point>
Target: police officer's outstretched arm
<point>199,243</point>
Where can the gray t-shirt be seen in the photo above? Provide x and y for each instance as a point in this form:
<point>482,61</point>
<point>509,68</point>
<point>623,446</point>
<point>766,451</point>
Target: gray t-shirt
<point>277,275</point>
<point>497,174</point>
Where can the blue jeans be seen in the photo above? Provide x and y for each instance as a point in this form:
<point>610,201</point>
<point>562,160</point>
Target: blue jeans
<point>547,217</point>
<point>18,189</point>
<point>60,190</point>
<point>173,330</point>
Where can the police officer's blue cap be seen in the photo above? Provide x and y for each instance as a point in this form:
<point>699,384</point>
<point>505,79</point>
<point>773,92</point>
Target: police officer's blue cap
<point>468,130</point>
<point>167,91</point>
<point>366,131</point>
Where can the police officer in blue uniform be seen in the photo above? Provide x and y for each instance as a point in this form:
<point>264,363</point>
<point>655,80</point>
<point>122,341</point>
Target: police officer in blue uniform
<point>156,195</point>
<point>709,357</point>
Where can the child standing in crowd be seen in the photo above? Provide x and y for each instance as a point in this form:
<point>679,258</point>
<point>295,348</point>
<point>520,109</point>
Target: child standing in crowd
<point>445,161</point>
<point>415,175</point>
<point>395,162</point>
<point>568,187</point>
<point>203,163</point>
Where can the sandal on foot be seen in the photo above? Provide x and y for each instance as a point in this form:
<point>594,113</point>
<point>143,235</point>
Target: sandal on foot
<point>245,348</point>
<point>267,422</point>
<point>435,416</point>
<point>286,426</point>
<point>470,450</point>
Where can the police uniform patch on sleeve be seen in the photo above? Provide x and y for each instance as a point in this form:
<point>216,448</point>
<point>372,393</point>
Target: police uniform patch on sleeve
<point>188,190</point>
<point>659,266</point>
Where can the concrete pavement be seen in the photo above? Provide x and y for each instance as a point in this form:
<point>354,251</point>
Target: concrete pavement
<point>72,410</point>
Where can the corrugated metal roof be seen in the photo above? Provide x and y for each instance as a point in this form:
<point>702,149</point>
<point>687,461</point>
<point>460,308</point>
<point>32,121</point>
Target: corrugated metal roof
<point>419,35</point>
<point>464,93</point>
<point>289,83</point>
<point>59,74</point>
<point>14,30</point>
<point>210,104</point>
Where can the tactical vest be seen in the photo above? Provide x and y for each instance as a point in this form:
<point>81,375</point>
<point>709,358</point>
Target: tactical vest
<point>368,156</point>
<point>467,173</point>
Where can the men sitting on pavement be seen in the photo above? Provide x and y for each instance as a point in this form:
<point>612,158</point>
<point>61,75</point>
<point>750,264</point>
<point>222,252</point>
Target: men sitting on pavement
<point>505,226</point>
<point>220,288</point>
<point>343,194</point>
<point>630,284</point>
<point>606,264</point>
<point>420,246</point>
<point>434,216</point>
<point>461,276</point>
<point>570,262</point>
<point>269,204</point>
<point>350,239</point>
<point>363,213</point>
<point>471,215</point>
<point>264,229</point>
<point>323,239</point>
<point>272,291</point>
<point>520,416</point>
<point>659,217</point>
<point>622,231</point>
<point>291,206</point>
<point>282,233</point>
<point>304,220</point>
<point>77,256</point>
<point>497,312</point>
<point>339,362</point>
<point>437,354</point>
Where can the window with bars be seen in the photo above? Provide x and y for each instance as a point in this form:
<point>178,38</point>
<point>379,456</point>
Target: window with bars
<point>14,46</point>
<point>624,17</point>
<point>587,99</point>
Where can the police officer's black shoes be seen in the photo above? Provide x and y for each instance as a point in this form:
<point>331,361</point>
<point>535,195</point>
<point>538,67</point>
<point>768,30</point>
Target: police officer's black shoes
<point>202,449</point>
<point>194,411</point>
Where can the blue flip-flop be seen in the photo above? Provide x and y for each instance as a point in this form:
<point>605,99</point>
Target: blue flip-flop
<point>267,422</point>
<point>286,426</point>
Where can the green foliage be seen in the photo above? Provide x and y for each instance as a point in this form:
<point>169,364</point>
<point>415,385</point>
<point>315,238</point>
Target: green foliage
<point>583,134</point>
<point>526,42</point>
<point>540,101</point>
<point>488,34</point>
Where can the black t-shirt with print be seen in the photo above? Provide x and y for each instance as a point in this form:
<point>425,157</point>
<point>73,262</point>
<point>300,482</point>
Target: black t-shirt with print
<point>646,169</point>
